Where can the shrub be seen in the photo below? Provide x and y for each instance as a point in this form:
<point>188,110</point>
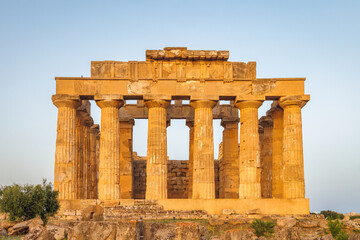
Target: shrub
<point>337,229</point>
<point>27,201</point>
<point>332,214</point>
<point>354,217</point>
<point>263,228</point>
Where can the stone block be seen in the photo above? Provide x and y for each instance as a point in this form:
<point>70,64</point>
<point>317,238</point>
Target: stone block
<point>228,211</point>
<point>286,222</point>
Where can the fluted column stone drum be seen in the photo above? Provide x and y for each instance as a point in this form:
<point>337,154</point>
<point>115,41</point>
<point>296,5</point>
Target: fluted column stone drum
<point>109,162</point>
<point>293,162</point>
<point>126,166</point>
<point>156,166</point>
<point>190,124</point>
<point>64,174</point>
<point>229,177</point>
<point>249,156</point>
<point>203,163</point>
<point>277,152</point>
<point>94,130</point>
<point>266,155</point>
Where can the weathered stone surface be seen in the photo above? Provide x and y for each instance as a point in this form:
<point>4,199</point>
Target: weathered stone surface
<point>158,230</point>
<point>156,168</point>
<point>109,162</point>
<point>253,211</point>
<point>249,156</point>
<point>187,231</point>
<point>7,224</point>
<point>216,222</point>
<point>92,231</point>
<point>308,223</point>
<point>65,175</point>
<point>286,222</point>
<point>293,166</point>
<point>351,224</point>
<point>228,211</point>
<point>354,236</point>
<point>229,163</point>
<point>203,165</point>
<point>3,232</point>
<point>93,212</point>
<point>287,234</point>
<point>240,235</point>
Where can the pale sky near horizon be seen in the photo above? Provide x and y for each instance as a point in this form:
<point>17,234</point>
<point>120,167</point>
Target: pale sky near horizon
<point>318,40</point>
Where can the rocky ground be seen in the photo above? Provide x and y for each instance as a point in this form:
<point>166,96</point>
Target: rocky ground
<point>225,227</point>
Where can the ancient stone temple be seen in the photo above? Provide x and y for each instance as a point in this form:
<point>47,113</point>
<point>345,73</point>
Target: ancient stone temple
<point>260,165</point>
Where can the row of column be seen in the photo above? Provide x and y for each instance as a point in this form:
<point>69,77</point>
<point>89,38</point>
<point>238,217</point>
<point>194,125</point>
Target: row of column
<point>77,143</point>
<point>115,167</point>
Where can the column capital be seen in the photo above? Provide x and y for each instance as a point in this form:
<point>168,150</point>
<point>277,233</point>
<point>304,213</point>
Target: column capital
<point>109,100</point>
<point>203,103</point>
<point>190,122</point>
<point>266,121</point>
<point>261,129</point>
<point>296,100</point>
<point>241,104</point>
<point>65,100</point>
<point>228,122</point>
<point>129,121</point>
<point>85,118</point>
<point>157,103</point>
<point>94,128</point>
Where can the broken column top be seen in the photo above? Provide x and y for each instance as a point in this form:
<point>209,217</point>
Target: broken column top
<point>182,53</point>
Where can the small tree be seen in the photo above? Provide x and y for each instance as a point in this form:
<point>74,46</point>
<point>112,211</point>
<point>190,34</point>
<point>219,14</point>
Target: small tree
<point>263,228</point>
<point>27,201</point>
<point>336,229</point>
<point>332,214</point>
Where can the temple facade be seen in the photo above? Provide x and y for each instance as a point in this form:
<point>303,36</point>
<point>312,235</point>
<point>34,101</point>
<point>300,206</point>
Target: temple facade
<point>260,163</point>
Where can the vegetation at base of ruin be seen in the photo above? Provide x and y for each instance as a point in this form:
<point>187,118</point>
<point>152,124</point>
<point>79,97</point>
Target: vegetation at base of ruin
<point>263,228</point>
<point>337,229</point>
<point>332,214</point>
<point>24,202</point>
<point>356,230</point>
<point>354,217</point>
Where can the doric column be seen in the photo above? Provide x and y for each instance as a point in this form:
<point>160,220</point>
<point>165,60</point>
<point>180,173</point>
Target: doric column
<point>64,174</point>
<point>229,179</point>
<point>94,131</point>
<point>156,166</point>
<point>79,160</point>
<point>249,156</point>
<point>190,124</point>
<point>126,166</point>
<point>277,153</point>
<point>293,165</point>
<point>109,162</point>
<point>203,163</point>
<point>88,122</point>
<point>97,164</point>
<point>266,157</point>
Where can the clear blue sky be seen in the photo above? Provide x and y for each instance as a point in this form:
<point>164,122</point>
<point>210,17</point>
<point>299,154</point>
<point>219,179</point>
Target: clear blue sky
<point>318,40</point>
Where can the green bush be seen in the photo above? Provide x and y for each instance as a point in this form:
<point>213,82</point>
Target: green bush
<point>337,229</point>
<point>27,201</point>
<point>263,228</point>
<point>354,217</point>
<point>332,214</point>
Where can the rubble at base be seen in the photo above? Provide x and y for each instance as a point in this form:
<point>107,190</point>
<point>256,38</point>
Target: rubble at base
<point>194,225</point>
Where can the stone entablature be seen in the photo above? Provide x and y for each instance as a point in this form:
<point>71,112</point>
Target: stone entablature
<point>267,162</point>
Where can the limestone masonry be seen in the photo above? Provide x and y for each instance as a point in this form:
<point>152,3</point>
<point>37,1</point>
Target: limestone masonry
<point>260,166</point>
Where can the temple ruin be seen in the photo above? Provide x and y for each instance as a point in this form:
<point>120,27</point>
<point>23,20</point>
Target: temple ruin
<point>259,167</point>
